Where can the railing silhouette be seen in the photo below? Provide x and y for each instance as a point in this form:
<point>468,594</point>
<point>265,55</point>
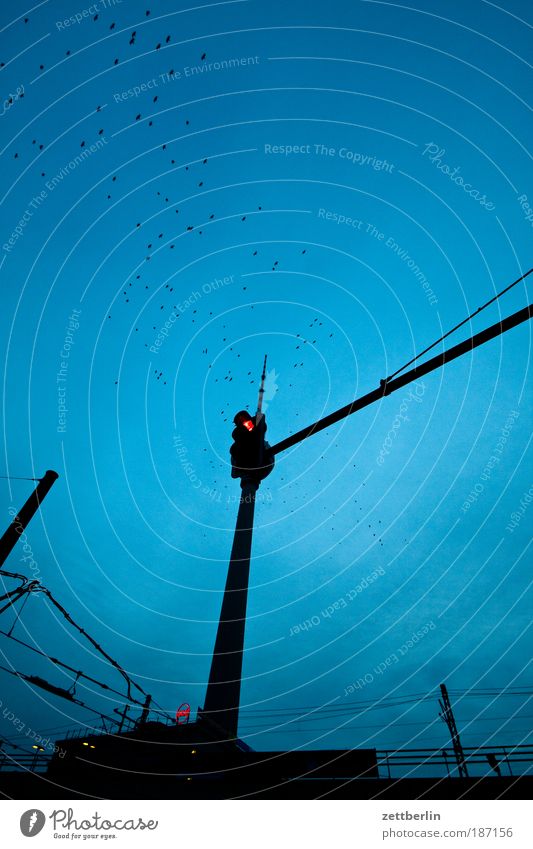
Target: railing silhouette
<point>392,763</point>
<point>502,760</point>
<point>36,762</point>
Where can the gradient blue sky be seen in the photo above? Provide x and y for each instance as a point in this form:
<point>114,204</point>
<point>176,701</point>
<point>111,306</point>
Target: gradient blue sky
<point>135,536</point>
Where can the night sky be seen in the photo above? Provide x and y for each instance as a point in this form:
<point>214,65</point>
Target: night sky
<point>333,184</point>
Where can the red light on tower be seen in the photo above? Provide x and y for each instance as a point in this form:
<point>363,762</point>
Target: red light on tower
<point>249,452</point>
<point>244,419</point>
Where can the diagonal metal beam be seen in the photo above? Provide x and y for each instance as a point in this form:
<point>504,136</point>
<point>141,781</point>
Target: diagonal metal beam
<point>20,522</point>
<point>388,386</point>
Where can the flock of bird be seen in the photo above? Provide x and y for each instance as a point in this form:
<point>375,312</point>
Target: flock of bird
<point>131,37</point>
<point>149,297</point>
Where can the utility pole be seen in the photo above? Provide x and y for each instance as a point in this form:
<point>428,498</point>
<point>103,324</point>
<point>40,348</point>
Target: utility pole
<point>449,719</point>
<point>123,714</point>
<point>145,711</point>
<point>20,522</point>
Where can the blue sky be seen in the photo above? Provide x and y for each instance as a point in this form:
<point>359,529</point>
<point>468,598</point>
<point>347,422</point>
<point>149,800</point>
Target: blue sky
<point>295,192</point>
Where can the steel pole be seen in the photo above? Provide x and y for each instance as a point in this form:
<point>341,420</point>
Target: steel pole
<point>449,719</point>
<point>20,522</point>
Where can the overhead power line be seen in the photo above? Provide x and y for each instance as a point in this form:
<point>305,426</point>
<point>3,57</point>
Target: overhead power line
<point>461,323</point>
<point>98,647</point>
<point>77,672</point>
<point>35,586</point>
<point>32,586</point>
<point>320,711</point>
<point>58,691</point>
<point>15,478</point>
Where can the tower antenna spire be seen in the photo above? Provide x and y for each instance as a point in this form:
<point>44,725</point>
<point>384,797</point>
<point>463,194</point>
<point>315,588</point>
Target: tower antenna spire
<point>259,413</point>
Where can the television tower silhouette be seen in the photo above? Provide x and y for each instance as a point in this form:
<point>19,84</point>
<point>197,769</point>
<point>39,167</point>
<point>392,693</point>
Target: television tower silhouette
<point>223,694</point>
<point>222,699</point>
